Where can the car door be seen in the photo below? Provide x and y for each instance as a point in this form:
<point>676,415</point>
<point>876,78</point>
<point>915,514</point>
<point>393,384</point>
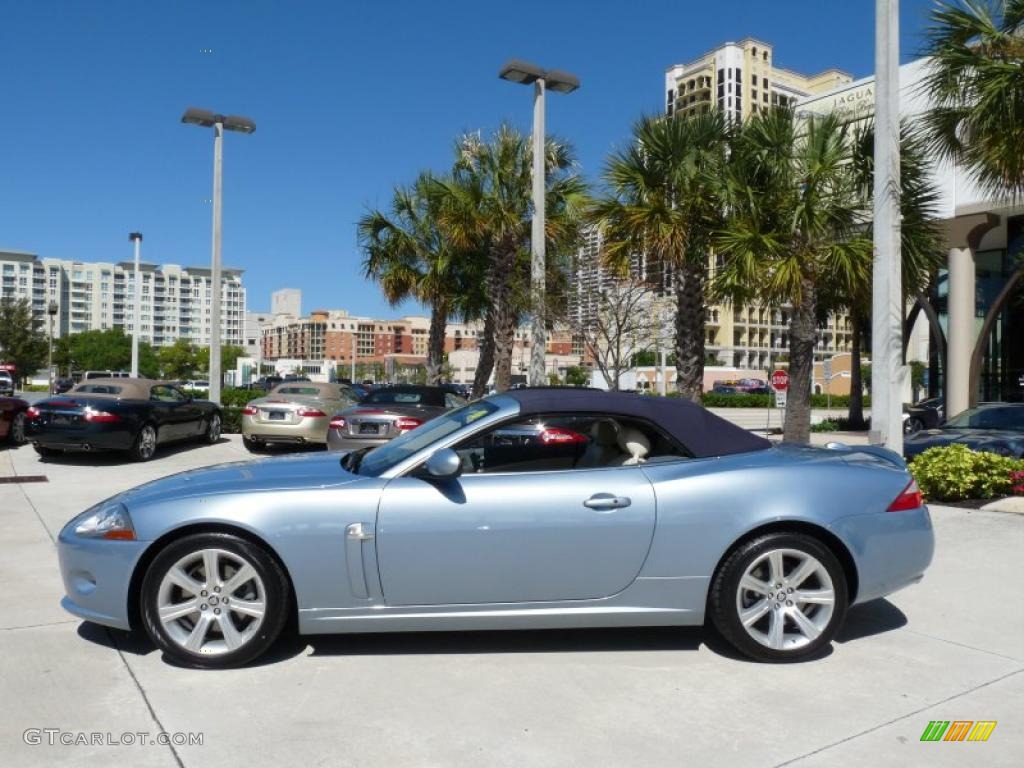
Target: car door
<point>525,522</point>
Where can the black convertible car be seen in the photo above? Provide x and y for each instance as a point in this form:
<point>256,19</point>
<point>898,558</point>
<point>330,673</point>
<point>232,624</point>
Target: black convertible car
<point>134,415</point>
<point>993,427</point>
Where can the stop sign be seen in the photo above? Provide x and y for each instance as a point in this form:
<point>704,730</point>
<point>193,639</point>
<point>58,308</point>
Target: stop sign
<point>780,381</point>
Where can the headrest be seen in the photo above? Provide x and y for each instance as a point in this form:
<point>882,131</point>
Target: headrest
<point>635,443</point>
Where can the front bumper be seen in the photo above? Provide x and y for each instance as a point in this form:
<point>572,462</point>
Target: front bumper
<point>309,430</point>
<point>97,575</point>
<point>891,550</point>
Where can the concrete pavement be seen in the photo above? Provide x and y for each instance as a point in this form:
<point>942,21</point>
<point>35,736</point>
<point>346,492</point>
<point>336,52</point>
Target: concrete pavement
<point>949,648</point>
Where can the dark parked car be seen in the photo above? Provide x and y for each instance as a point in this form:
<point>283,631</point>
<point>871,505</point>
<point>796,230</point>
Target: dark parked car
<point>12,420</point>
<point>134,415</point>
<point>993,427</point>
<point>62,385</point>
<point>385,414</point>
<point>926,414</point>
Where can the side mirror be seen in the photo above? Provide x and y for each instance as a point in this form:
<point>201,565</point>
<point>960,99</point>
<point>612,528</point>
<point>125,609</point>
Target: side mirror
<point>444,464</point>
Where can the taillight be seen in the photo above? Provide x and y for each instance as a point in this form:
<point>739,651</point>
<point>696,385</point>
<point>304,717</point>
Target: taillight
<point>32,412</point>
<point>405,423</point>
<point>100,417</point>
<point>249,411</point>
<point>338,422</point>
<point>910,498</point>
<point>558,435</point>
<point>311,413</point>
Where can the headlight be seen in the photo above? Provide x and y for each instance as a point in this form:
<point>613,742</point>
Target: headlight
<point>107,520</point>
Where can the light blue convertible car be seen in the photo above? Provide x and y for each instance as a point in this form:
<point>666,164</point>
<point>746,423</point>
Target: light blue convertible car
<point>532,509</point>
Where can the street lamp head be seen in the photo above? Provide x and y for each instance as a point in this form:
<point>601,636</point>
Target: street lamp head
<point>239,123</point>
<point>203,117</point>
<point>519,71</point>
<point>135,236</point>
<point>562,82</point>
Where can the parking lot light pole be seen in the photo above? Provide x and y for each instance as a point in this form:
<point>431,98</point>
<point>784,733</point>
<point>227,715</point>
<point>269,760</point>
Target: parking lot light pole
<point>136,237</point>
<point>219,123</point>
<point>51,311</point>
<point>542,80</point>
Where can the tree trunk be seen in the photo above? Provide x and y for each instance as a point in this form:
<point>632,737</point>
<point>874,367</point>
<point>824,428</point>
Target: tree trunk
<point>485,361</point>
<point>504,340</point>
<point>689,285</point>
<point>802,327</point>
<point>856,413</point>
<point>435,342</point>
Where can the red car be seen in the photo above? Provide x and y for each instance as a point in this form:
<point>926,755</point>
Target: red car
<point>12,420</point>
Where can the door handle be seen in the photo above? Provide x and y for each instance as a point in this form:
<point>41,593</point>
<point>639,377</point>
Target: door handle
<point>607,501</point>
<point>356,531</point>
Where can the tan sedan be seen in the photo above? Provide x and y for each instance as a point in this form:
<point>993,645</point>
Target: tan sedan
<point>296,412</point>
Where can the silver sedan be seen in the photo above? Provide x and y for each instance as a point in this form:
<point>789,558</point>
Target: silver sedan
<point>386,413</point>
<point>534,509</point>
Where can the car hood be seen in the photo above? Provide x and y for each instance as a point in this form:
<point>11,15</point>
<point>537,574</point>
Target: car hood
<point>321,470</point>
<point>973,438</point>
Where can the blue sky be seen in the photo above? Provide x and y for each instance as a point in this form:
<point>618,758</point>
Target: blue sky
<point>349,99</point>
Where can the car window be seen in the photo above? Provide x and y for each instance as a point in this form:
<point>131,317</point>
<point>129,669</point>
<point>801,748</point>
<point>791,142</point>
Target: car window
<point>404,397</point>
<point>311,391</point>
<point>566,442</point>
<point>1009,418</point>
<point>165,394</point>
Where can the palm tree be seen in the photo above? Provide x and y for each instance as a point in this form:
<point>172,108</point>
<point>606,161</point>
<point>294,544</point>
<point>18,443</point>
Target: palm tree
<point>665,201</point>
<point>921,241</point>
<point>405,253</point>
<point>975,81</point>
<point>792,233</point>
<point>485,209</point>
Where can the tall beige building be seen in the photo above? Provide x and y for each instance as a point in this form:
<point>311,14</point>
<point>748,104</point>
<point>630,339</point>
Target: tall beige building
<point>740,79</point>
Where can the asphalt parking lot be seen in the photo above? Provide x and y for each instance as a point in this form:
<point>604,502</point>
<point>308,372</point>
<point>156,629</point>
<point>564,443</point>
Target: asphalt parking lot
<point>950,648</point>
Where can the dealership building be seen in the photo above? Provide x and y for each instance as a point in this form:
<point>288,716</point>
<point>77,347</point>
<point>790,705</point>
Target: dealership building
<point>966,331</point>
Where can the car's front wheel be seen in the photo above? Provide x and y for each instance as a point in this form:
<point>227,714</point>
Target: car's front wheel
<point>780,597</point>
<point>912,425</point>
<point>214,600</point>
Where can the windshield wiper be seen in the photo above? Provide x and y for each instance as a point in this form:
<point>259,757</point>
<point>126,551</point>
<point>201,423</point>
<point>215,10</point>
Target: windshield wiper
<point>350,461</point>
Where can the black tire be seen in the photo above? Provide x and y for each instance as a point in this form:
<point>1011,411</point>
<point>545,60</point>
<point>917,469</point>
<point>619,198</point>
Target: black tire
<point>912,425</point>
<point>212,429</point>
<point>16,433</point>
<point>253,445</point>
<point>277,599</point>
<point>47,453</point>
<point>144,446</point>
<point>725,586</point>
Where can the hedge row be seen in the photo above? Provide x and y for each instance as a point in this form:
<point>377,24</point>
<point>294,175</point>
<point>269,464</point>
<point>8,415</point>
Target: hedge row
<point>955,473</point>
<point>740,400</point>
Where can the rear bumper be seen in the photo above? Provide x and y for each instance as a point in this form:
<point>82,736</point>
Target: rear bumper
<point>891,550</point>
<point>336,441</point>
<point>96,437</point>
<point>309,430</point>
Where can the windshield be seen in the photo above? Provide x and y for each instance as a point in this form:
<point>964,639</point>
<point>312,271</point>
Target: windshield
<point>1008,417</point>
<point>386,456</point>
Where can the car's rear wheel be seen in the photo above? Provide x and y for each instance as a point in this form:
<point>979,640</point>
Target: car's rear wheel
<point>912,425</point>
<point>145,443</point>
<point>780,597</point>
<point>212,432</point>
<point>17,432</point>
<point>214,600</point>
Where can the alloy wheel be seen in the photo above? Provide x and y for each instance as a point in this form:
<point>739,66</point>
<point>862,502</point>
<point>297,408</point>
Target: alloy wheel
<point>213,429</point>
<point>147,442</point>
<point>785,599</point>
<point>211,602</point>
<point>18,429</point>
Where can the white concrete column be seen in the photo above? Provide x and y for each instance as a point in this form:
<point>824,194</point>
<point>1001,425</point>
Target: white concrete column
<point>961,331</point>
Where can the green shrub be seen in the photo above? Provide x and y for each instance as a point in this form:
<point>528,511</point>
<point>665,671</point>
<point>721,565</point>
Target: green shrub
<point>231,419</point>
<point>742,400</point>
<point>35,388</point>
<point>836,424</point>
<point>955,472</point>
